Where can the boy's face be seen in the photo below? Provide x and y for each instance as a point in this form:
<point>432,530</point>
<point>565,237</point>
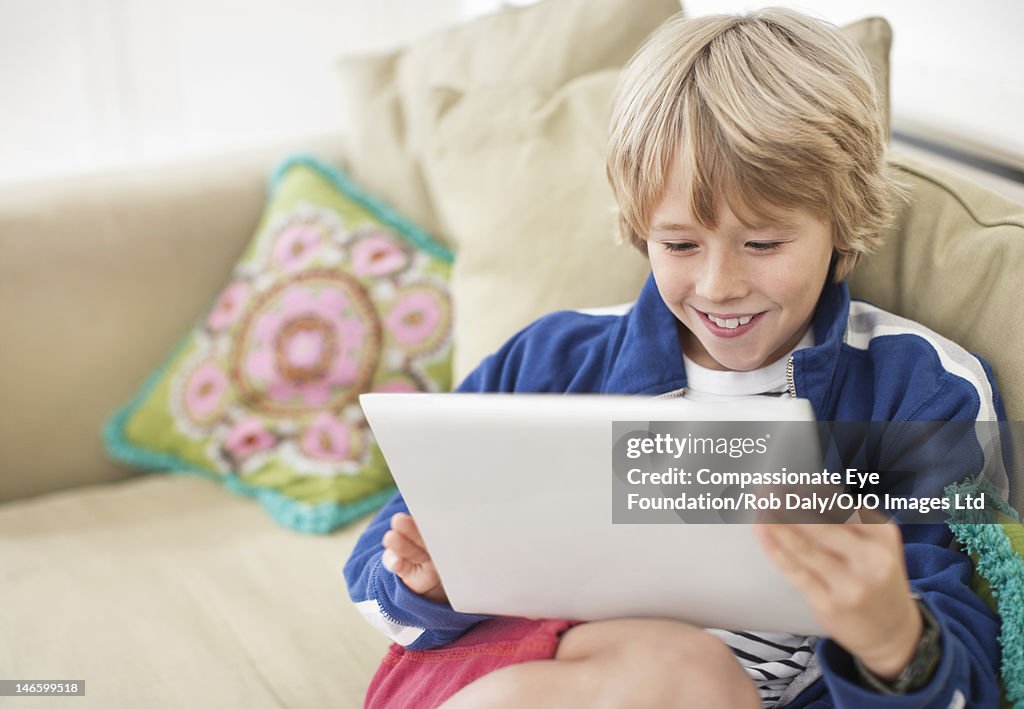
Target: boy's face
<point>744,296</point>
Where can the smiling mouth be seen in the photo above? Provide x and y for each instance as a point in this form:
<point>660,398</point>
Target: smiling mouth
<point>729,322</point>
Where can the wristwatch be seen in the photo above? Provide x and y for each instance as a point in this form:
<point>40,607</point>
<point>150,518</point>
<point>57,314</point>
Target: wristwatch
<point>921,667</point>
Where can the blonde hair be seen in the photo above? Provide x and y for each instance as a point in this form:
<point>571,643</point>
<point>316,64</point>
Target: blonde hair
<point>771,110</point>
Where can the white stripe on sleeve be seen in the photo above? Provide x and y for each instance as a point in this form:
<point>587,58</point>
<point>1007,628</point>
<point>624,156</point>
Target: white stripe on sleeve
<point>404,635</point>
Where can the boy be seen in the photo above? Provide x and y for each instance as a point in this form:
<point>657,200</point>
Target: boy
<point>747,159</point>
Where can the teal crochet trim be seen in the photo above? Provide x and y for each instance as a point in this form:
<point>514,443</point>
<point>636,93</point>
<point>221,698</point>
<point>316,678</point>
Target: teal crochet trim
<point>1003,568</point>
<point>417,236</point>
<point>302,517</point>
<point>312,519</point>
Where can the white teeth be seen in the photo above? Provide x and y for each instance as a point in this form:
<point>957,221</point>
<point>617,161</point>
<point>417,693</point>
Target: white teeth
<point>730,323</point>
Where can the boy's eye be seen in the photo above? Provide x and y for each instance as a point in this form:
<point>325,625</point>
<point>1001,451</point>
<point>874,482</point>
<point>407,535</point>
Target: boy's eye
<point>677,247</point>
<point>764,245</point>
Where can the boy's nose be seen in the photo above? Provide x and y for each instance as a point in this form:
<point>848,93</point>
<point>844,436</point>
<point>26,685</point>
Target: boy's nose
<point>721,279</point>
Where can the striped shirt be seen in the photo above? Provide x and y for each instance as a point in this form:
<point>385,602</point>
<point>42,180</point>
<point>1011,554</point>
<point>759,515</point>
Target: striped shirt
<point>771,660</point>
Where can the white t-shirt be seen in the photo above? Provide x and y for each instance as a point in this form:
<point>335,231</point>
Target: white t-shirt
<point>703,384</point>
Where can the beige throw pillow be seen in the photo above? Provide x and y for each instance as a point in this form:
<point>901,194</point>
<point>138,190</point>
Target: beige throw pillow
<point>874,37</point>
<point>389,96</point>
<point>519,181</point>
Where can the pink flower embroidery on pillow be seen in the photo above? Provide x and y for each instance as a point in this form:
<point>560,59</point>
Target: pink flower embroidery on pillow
<point>247,437</point>
<point>399,385</point>
<point>229,306</point>
<point>205,393</point>
<point>419,319</point>
<point>330,438</point>
<point>297,244</point>
<point>378,255</point>
<point>311,343</point>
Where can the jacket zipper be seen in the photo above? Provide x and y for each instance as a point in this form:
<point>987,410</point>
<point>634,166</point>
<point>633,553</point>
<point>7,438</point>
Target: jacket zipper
<point>672,394</point>
<point>790,380</point>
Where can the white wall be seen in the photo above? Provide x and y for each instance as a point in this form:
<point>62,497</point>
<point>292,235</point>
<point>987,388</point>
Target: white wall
<point>88,84</point>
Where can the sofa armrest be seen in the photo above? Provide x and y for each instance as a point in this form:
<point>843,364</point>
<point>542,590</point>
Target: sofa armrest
<point>100,277</point>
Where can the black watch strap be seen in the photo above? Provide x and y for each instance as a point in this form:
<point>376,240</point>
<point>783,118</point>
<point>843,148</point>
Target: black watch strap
<point>918,672</point>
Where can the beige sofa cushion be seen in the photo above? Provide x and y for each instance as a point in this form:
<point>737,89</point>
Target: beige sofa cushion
<point>390,96</point>
<point>165,591</point>
<point>517,177</point>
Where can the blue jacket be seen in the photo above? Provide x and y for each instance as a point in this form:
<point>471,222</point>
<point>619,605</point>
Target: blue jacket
<point>867,365</point>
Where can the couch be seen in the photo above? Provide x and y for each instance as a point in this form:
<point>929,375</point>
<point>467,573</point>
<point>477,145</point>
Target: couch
<point>165,590</point>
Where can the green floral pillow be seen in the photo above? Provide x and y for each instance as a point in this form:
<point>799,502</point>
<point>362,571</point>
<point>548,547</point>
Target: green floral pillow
<point>336,295</point>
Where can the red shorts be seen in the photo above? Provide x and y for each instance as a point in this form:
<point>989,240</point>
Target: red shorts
<point>423,679</point>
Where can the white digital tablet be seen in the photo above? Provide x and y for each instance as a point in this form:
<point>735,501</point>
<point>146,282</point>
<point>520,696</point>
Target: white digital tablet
<point>514,496</point>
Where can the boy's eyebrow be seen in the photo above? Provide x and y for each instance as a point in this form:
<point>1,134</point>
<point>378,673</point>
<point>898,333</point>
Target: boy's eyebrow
<point>675,226</point>
<point>779,226</point>
<point>671,226</point>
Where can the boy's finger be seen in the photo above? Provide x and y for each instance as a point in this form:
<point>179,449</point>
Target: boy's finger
<point>403,568</point>
<point>856,543</point>
<point>872,517</point>
<point>802,545</point>
<point>788,556</point>
<point>393,562</point>
<point>839,539</point>
<point>404,547</point>
<point>407,526</point>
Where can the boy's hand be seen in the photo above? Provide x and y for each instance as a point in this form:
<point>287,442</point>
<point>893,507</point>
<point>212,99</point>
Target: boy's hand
<point>406,555</point>
<point>855,580</point>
